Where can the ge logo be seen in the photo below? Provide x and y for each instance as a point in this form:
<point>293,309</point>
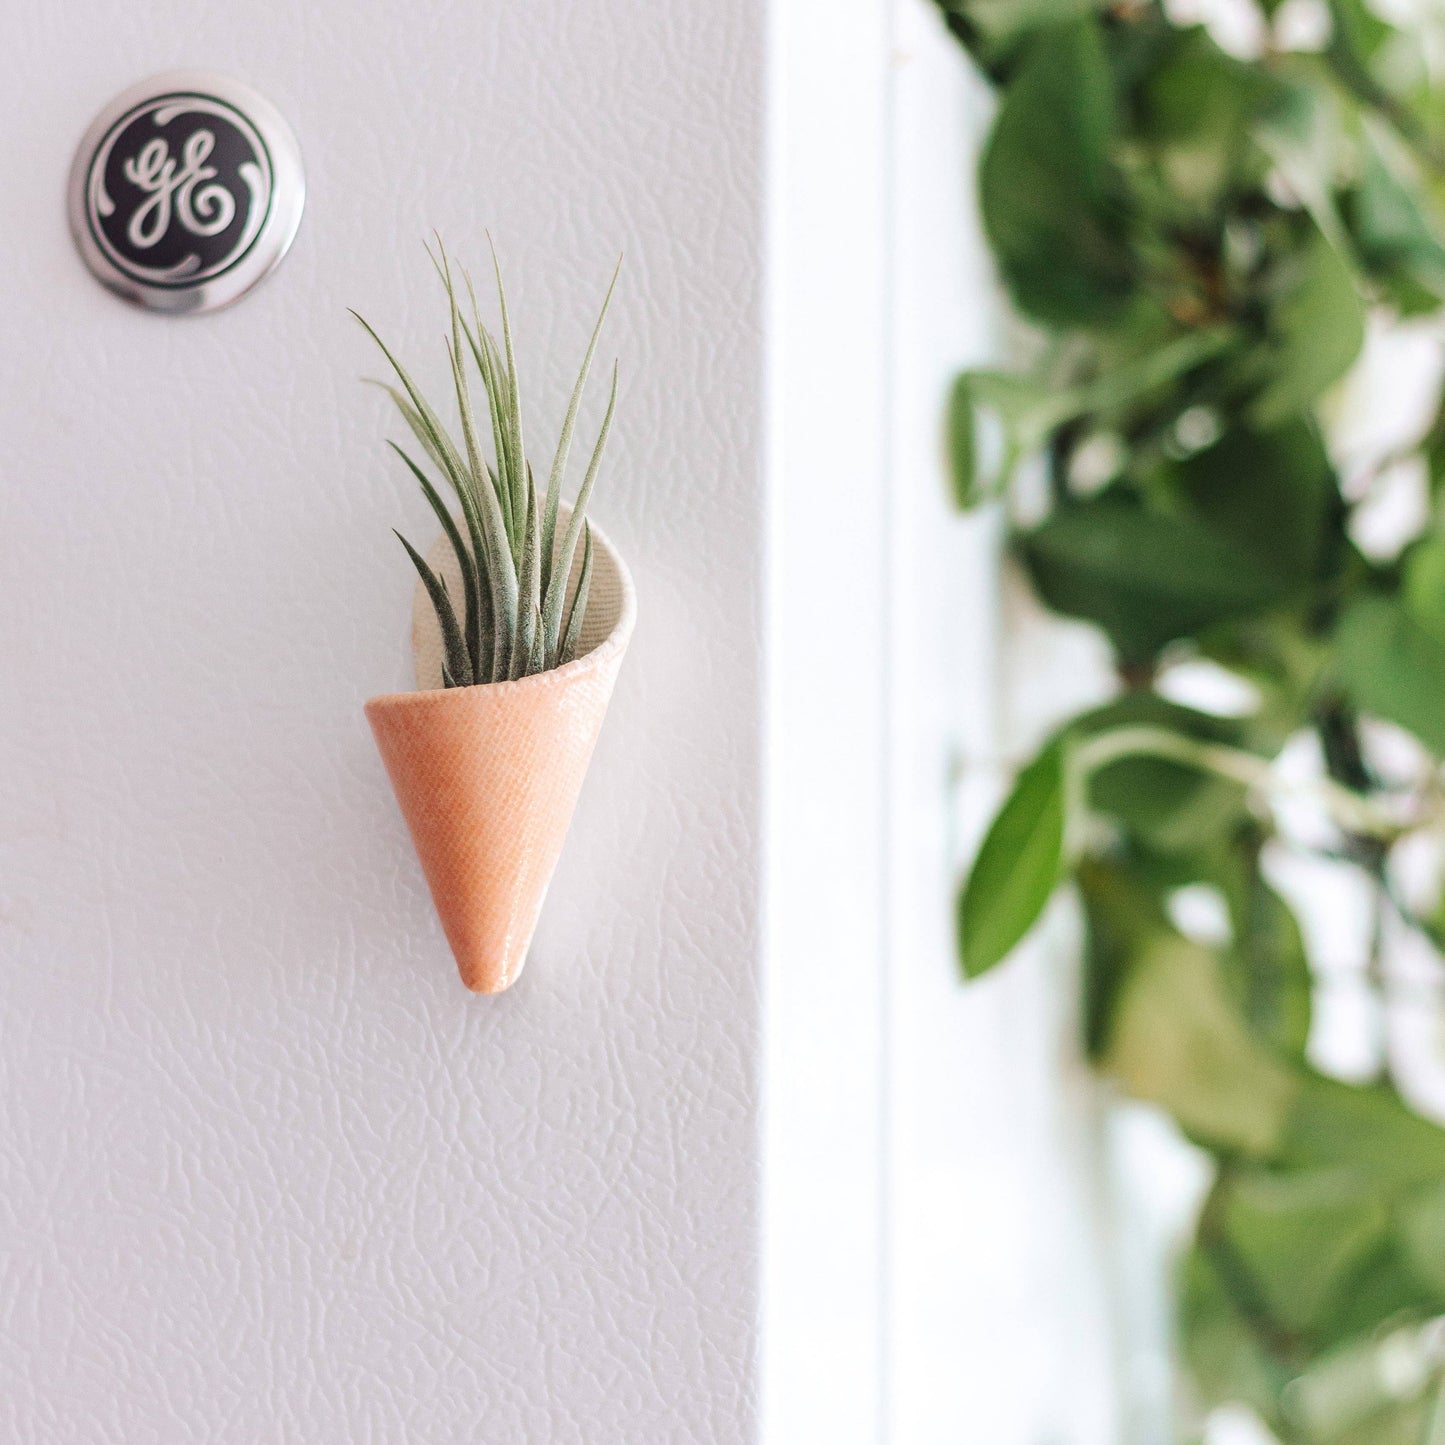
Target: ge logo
<point>178,190</point>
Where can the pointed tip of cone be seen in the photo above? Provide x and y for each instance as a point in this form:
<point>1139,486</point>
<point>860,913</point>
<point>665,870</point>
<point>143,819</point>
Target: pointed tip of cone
<point>484,988</point>
<point>489,927</point>
<point>487,778</point>
<point>488,973</point>
<point>486,984</point>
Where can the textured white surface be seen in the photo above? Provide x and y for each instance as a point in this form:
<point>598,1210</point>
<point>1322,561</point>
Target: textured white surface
<point>266,1171</point>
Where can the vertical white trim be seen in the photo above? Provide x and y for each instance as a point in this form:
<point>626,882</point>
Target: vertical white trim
<point>995,1301</point>
<point>930,1275</point>
<point>827,640</point>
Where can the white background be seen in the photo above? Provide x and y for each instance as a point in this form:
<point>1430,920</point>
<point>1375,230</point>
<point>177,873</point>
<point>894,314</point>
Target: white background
<point>935,1219</point>
<point>267,1173</point>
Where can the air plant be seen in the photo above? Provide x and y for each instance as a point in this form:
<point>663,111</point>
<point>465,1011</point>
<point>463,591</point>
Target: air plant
<point>514,619</point>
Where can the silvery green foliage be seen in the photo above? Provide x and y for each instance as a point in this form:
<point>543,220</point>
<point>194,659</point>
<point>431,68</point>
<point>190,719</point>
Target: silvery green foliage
<point>514,616</point>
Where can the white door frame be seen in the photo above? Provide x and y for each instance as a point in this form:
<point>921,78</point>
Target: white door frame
<point>930,1258</point>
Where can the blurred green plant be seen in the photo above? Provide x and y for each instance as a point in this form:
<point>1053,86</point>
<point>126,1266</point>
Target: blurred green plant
<point>1198,239</point>
<point>514,568</point>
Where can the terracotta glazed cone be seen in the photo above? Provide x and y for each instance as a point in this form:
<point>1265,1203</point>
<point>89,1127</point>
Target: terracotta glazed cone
<point>487,777</point>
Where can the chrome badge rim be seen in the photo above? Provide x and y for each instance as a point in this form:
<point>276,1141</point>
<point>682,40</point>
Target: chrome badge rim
<point>186,191</point>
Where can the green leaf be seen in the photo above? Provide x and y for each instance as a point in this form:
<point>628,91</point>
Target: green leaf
<point>1017,866</point>
<point>1196,107</point>
<point>1124,917</point>
<point>454,648</point>
<point>499,565</point>
<point>1434,1433</point>
<point>1301,131</point>
<point>1175,1040</point>
<point>1383,1288</point>
<point>1272,494</point>
<point>1145,577</point>
<point>1393,666</point>
<point>481,519</point>
<point>1357,37</point>
<point>1228,1362</point>
<point>1379,1390</point>
<point>1362,1127</point>
<point>564,442</point>
<point>415,424</point>
<point>1054,206</point>
<point>512,474</point>
<point>512,624</point>
<point>1423,590</point>
<point>436,438</point>
<point>527,613</point>
<point>1391,230</point>
<point>1000,24</point>
<point>1152,374</point>
<point>1266,968</point>
<point>572,636</point>
<point>1169,807</point>
<point>1421,1232</point>
<point>962,445</point>
<point>1029,409</point>
<point>557,590</point>
<point>489,367</point>
<point>472,627</point>
<point>1300,1235</point>
<point>1317,330</point>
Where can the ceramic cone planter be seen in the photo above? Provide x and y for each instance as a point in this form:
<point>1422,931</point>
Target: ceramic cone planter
<point>487,777</point>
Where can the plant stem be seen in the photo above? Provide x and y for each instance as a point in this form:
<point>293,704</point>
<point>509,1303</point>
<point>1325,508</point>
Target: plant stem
<point>1352,812</point>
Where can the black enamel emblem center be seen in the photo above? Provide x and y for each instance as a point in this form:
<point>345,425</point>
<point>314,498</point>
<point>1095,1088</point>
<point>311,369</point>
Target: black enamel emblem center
<point>186,191</point>
<point>179,190</point>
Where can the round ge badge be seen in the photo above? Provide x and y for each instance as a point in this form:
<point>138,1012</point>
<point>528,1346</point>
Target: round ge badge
<point>186,191</point>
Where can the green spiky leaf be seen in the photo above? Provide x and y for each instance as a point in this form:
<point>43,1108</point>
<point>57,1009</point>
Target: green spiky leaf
<point>573,635</point>
<point>513,574</point>
<point>454,649</point>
